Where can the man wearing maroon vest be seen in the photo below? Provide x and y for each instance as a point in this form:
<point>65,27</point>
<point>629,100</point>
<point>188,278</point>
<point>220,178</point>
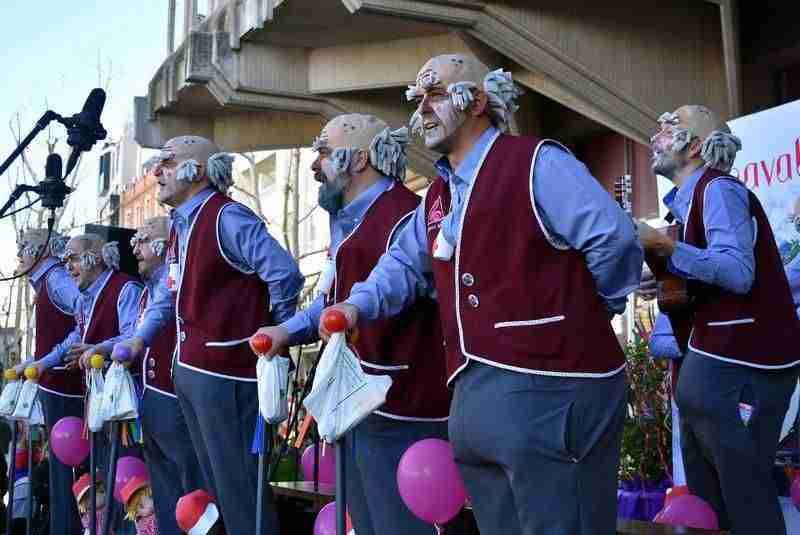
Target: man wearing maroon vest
<point>738,375</point>
<point>105,311</point>
<point>226,277</point>
<point>529,258</point>
<point>171,460</point>
<point>60,390</point>
<point>361,165</point>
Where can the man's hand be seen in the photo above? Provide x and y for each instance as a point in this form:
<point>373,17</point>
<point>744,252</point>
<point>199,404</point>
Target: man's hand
<point>36,365</point>
<point>85,360</point>
<point>648,287</point>
<point>19,369</point>
<point>656,242</point>
<point>134,347</point>
<point>350,313</point>
<point>280,339</point>
<point>73,354</point>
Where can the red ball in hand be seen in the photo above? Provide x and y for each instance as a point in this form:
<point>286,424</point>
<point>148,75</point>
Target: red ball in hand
<point>260,343</point>
<point>334,321</point>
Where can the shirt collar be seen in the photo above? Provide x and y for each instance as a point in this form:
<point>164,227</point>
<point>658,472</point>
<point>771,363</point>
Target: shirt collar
<point>94,287</point>
<point>466,170</point>
<point>152,281</point>
<point>185,210</point>
<point>357,208</point>
<point>679,198</point>
<point>36,276</point>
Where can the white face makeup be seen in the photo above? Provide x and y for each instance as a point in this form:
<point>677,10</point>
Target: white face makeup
<point>437,118</point>
<point>669,146</point>
<point>171,191</point>
<point>83,266</point>
<point>145,507</point>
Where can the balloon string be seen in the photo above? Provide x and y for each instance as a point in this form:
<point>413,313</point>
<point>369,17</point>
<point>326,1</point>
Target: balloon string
<point>438,528</point>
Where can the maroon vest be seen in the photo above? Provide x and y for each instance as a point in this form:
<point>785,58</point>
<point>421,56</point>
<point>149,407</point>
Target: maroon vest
<point>156,364</point>
<point>218,306</point>
<point>407,347</point>
<point>104,317</point>
<point>759,328</point>
<point>509,297</point>
<point>52,326</point>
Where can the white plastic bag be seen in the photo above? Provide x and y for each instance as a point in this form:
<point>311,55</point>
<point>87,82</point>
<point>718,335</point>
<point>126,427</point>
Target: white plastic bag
<point>95,414</point>
<point>8,399</point>
<point>342,394</point>
<point>25,401</point>
<point>37,414</point>
<point>119,395</point>
<point>273,378</point>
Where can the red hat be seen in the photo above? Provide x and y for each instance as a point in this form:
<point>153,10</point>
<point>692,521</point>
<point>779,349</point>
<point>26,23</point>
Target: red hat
<point>80,487</point>
<point>196,512</point>
<point>135,483</point>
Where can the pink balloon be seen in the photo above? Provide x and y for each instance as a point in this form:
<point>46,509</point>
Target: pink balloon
<point>325,524</point>
<point>690,511</point>
<point>795,492</point>
<point>67,442</point>
<point>327,465</point>
<point>429,481</point>
<point>127,468</point>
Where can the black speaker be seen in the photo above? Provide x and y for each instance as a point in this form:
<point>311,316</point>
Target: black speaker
<point>127,262</point>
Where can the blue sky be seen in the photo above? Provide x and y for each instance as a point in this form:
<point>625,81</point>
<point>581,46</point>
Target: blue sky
<point>50,53</point>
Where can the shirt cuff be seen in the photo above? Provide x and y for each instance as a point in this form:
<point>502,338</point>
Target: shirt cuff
<point>684,260</point>
<point>364,303</point>
<point>297,327</point>
<point>146,332</point>
<point>50,361</point>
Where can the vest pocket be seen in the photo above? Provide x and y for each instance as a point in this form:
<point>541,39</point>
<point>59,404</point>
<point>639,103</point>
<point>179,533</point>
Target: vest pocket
<point>742,321</point>
<point>528,323</point>
<point>227,343</point>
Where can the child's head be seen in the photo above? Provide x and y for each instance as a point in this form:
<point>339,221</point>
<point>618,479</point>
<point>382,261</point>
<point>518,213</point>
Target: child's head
<point>197,514</point>
<point>81,491</point>
<point>138,498</point>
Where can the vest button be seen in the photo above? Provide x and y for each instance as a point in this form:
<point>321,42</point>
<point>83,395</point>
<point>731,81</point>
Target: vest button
<point>467,279</point>
<point>151,374</point>
<point>183,336</point>
<point>473,300</point>
<point>152,362</point>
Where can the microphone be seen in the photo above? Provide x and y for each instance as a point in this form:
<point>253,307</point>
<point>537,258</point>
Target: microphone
<point>84,129</point>
<point>52,189</point>
<point>52,168</point>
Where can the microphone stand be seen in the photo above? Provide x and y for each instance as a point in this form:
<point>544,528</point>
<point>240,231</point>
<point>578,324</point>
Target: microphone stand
<point>41,124</point>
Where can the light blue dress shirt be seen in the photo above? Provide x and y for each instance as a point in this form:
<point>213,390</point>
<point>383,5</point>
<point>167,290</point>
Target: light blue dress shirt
<point>61,289</point>
<point>127,312</point>
<point>574,207</point>
<point>663,344</point>
<point>728,260</point>
<point>303,326</point>
<point>247,244</point>
<point>662,340</point>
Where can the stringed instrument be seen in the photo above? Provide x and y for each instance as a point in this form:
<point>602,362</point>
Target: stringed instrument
<point>672,291</point>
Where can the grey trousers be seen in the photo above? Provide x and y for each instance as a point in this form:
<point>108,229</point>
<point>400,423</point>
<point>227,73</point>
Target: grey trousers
<point>64,517</point>
<point>221,417</point>
<point>171,460</point>
<point>539,454</point>
<point>729,462</point>
<point>374,448</point>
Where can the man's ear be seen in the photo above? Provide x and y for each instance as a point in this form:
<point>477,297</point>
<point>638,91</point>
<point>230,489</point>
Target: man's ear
<point>480,105</point>
<point>695,146</point>
<point>360,161</point>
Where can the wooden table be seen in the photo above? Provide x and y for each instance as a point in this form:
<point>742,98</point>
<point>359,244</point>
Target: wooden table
<point>305,490</point>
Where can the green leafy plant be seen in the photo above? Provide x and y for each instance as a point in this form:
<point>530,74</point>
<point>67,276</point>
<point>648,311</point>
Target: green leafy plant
<point>647,437</point>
